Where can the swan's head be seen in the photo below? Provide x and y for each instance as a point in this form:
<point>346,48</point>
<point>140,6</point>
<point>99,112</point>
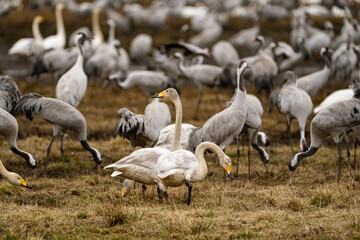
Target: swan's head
<point>225,163</point>
<point>39,19</point>
<point>170,94</point>
<point>127,186</point>
<point>16,180</point>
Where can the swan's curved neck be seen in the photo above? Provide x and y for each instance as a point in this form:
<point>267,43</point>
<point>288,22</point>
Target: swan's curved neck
<point>36,31</point>
<point>60,28</point>
<point>199,154</point>
<point>176,143</point>
<point>3,171</point>
<point>96,27</point>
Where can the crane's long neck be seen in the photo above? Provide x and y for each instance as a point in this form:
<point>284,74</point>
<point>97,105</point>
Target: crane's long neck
<point>181,64</point>
<point>199,154</point>
<point>3,171</point>
<point>111,33</point>
<point>176,144</point>
<point>240,81</point>
<point>80,57</point>
<point>60,28</point>
<point>96,26</point>
<point>36,31</point>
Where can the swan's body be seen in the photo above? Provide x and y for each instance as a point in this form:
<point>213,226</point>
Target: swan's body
<point>30,46</point>
<point>337,96</point>
<point>183,167</point>
<point>58,40</point>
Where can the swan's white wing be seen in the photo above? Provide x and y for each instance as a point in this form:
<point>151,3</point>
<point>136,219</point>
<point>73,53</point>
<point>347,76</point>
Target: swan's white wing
<point>172,162</point>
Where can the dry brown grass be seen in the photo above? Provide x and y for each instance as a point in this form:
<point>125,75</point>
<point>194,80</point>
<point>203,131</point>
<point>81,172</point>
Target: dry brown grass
<point>88,204</point>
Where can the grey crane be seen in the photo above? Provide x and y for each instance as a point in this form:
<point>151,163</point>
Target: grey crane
<point>223,127</point>
<point>295,103</point>
<point>314,82</point>
<point>333,120</point>
<point>149,82</point>
<point>140,49</point>
<point>61,115</point>
<point>9,129</point>
<point>200,75</point>
<point>9,93</point>
<point>344,61</point>
<point>224,53</point>
<point>72,86</point>
<point>143,130</point>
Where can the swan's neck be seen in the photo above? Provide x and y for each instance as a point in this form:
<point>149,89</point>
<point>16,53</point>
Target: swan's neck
<point>3,171</point>
<point>199,154</point>
<point>176,144</point>
<point>59,23</point>
<point>36,31</point>
<point>96,27</point>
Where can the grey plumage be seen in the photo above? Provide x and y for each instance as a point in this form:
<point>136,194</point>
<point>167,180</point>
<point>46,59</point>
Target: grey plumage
<point>61,115</point>
<point>295,103</point>
<point>143,130</point>
<point>9,129</point>
<point>334,120</point>
<point>9,93</point>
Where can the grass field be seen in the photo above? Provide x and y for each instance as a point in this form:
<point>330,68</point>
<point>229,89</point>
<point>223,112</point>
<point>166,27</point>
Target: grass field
<point>88,203</point>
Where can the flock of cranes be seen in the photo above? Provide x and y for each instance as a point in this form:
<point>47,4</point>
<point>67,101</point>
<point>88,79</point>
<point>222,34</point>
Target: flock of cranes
<point>172,155</point>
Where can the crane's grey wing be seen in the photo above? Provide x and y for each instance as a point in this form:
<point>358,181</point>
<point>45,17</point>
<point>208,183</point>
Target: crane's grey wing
<point>9,93</point>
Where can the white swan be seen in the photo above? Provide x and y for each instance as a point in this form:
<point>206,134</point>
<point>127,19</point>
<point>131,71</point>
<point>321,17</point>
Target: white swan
<point>98,36</point>
<point>29,46</point>
<point>140,165</point>
<point>183,167</point>
<point>11,177</point>
<point>58,40</point>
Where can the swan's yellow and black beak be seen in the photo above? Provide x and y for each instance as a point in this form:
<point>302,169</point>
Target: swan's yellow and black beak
<point>159,95</point>
<point>228,170</point>
<point>24,184</point>
<point>122,192</point>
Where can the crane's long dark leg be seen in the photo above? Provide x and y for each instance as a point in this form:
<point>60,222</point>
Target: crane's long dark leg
<point>144,189</point>
<point>62,152</point>
<point>161,194</point>
<point>199,100</point>
<point>355,145</point>
<point>249,159</point>
<point>48,152</point>
<point>189,192</point>
<point>289,133</point>
<point>238,156</point>
<point>348,157</point>
<point>214,89</point>
<point>338,145</point>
